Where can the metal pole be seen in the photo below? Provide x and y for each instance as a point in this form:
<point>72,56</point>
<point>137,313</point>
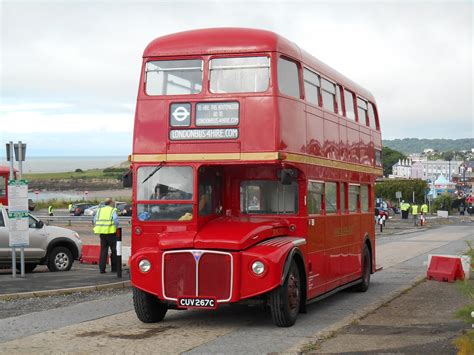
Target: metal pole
<point>22,248</point>
<point>119,252</point>
<point>12,177</point>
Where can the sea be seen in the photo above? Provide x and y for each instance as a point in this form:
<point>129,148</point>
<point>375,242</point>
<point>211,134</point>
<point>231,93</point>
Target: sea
<point>65,163</point>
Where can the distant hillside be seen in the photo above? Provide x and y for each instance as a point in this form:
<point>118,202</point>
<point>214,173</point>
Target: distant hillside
<point>415,145</point>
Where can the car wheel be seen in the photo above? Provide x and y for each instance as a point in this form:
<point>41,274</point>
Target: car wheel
<point>60,259</point>
<point>149,308</point>
<point>366,269</point>
<point>285,300</point>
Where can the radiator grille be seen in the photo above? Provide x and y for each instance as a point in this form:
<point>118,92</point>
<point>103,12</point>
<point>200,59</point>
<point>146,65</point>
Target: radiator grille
<point>212,269</point>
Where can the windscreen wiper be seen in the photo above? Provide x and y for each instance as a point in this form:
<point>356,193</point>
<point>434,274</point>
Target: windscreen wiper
<point>154,171</point>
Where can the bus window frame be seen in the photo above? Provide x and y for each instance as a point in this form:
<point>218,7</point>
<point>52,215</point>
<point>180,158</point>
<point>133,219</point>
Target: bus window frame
<point>354,105</point>
<point>204,83</point>
<point>321,89</point>
<point>207,72</point>
<point>323,204</point>
<point>357,210</point>
<point>319,99</point>
<point>299,67</point>
<point>367,124</point>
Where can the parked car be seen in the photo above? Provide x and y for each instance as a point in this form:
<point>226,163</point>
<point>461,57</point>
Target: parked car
<point>124,209</point>
<point>79,208</point>
<point>53,246</point>
<point>91,211</point>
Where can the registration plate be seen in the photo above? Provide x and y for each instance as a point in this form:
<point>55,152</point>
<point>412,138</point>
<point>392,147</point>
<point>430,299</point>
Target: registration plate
<point>197,302</point>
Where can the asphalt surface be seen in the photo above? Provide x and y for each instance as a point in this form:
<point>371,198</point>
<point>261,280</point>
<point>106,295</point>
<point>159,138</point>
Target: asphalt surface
<point>110,324</point>
<point>80,275</point>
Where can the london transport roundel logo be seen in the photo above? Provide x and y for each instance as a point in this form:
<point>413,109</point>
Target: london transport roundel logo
<point>180,113</point>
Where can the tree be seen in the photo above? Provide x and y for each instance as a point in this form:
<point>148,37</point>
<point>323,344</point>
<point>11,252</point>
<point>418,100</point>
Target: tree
<point>387,189</point>
<point>390,157</point>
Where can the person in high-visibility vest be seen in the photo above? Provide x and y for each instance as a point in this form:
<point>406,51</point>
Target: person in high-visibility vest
<point>414,212</point>
<point>69,208</point>
<point>50,210</point>
<point>424,212</point>
<point>105,224</point>
<point>404,207</point>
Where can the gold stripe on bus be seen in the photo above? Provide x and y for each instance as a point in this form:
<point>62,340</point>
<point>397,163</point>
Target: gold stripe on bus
<point>257,156</point>
<point>147,158</point>
<point>306,159</point>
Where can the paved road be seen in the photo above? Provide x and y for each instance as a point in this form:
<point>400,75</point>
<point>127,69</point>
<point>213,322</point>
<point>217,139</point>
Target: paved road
<point>110,325</point>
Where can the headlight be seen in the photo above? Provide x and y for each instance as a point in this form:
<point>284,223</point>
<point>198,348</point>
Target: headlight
<point>77,235</point>
<point>258,268</point>
<point>144,265</point>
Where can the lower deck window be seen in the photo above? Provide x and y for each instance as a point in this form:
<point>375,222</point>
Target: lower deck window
<point>165,212</point>
<point>268,197</point>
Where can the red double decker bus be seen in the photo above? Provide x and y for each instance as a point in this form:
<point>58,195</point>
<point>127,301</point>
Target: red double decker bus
<point>254,166</point>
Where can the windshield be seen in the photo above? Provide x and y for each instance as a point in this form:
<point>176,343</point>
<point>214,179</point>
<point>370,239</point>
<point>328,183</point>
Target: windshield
<point>174,77</point>
<point>268,197</point>
<point>243,74</point>
<point>170,183</point>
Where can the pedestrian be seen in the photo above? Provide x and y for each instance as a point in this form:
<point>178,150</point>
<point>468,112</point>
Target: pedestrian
<point>105,224</point>
<point>69,208</point>
<point>50,210</point>
<point>461,209</point>
<point>404,207</point>
<point>424,212</point>
<point>414,212</point>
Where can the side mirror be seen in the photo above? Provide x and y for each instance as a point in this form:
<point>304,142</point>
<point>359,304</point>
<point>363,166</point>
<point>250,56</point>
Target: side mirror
<point>287,175</point>
<point>127,179</point>
<point>39,224</point>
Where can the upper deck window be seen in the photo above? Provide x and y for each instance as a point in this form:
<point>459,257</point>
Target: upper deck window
<point>288,80</point>
<point>311,86</point>
<point>349,104</point>
<point>242,74</point>
<point>174,77</point>
<point>328,93</point>
<point>372,121</point>
<point>362,110</point>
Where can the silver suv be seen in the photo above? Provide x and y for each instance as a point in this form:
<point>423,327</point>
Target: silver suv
<point>55,247</point>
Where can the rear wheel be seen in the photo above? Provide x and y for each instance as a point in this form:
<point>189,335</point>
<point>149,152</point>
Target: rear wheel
<point>285,300</point>
<point>149,308</point>
<point>366,269</point>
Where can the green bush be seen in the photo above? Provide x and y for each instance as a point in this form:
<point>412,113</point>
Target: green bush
<point>442,202</point>
<point>388,188</point>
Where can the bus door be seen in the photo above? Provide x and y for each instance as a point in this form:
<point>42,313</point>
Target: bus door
<point>318,269</point>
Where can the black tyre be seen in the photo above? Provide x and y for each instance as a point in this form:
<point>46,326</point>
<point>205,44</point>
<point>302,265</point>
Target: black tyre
<point>60,259</point>
<point>366,270</point>
<point>149,308</point>
<point>285,300</point>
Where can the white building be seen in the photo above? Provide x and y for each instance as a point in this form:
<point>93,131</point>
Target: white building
<point>425,169</point>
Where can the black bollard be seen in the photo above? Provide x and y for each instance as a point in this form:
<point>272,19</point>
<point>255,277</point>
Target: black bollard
<point>119,252</point>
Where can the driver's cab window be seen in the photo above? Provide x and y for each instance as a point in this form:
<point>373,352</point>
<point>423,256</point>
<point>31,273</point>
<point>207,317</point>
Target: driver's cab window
<point>209,191</point>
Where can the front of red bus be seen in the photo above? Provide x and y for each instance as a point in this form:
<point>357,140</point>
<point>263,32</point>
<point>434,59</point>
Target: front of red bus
<point>217,215</point>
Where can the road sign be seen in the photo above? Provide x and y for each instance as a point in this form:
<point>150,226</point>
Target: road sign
<point>18,213</point>
<point>398,194</point>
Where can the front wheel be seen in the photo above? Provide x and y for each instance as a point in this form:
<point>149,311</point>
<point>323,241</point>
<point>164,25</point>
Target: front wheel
<point>149,308</point>
<point>285,300</point>
<point>60,259</point>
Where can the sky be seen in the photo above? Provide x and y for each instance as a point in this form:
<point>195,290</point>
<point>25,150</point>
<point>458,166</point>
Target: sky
<point>69,70</point>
